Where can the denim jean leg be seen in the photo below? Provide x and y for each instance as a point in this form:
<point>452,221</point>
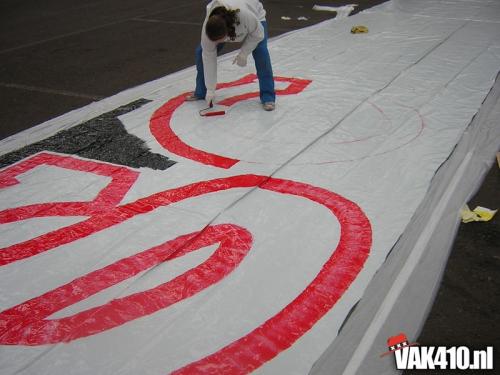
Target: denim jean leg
<point>201,90</point>
<point>264,69</point>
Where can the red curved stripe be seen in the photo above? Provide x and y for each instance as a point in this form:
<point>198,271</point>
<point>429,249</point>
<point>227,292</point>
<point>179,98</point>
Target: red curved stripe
<point>282,330</point>
<point>263,343</point>
<point>27,323</point>
<point>121,180</point>
<point>162,130</point>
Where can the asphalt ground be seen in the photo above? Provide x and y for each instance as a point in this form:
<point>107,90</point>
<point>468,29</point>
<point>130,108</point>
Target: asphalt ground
<point>56,56</point>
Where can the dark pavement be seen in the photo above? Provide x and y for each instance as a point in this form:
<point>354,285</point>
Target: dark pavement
<point>56,56</point>
<point>466,311</point>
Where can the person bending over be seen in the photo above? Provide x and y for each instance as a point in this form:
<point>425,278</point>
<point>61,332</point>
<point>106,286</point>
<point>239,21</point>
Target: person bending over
<point>234,21</point>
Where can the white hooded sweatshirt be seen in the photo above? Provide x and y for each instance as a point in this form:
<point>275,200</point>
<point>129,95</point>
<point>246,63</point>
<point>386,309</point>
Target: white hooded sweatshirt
<point>249,30</point>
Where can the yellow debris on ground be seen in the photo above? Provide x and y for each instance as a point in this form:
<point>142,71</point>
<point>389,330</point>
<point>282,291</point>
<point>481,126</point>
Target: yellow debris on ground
<point>477,214</point>
<point>359,29</point>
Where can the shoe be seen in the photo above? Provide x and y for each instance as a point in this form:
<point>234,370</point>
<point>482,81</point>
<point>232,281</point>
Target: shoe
<point>192,98</point>
<point>269,106</point>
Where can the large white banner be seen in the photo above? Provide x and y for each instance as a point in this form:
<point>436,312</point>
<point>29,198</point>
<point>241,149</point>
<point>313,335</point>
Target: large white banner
<point>248,252</point>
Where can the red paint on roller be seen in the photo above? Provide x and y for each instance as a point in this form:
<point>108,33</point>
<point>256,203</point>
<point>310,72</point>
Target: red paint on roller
<point>215,113</point>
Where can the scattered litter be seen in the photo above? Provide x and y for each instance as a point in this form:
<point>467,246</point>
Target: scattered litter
<point>342,12</point>
<point>301,18</point>
<point>477,214</point>
<point>359,29</point>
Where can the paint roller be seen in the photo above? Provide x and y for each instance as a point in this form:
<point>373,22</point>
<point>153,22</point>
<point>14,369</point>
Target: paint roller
<point>210,111</point>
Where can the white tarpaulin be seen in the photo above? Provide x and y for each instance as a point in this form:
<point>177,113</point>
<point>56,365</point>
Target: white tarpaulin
<point>249,252</point>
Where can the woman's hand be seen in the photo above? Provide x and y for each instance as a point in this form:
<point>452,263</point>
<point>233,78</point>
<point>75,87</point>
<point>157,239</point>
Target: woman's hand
<point>240,60</point>
<point>209,97</point>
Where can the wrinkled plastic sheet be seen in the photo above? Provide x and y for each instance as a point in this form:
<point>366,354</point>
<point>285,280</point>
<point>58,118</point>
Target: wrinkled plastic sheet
<point>400,295</point>
<point>250,251</point>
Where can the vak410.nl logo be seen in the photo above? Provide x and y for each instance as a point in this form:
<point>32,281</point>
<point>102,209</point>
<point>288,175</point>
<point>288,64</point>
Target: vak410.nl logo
<point>412,356</point>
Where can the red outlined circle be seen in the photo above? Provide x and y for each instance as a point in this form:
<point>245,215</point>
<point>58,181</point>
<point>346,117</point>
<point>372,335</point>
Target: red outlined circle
<point>419,130</point>
<point>237,135</point>
<point>418,133</point>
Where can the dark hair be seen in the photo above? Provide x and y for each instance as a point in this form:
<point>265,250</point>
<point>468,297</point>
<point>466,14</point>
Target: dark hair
<point>221,22</point>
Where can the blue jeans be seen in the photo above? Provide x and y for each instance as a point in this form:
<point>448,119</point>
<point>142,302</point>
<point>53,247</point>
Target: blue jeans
<point>262,65</point>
